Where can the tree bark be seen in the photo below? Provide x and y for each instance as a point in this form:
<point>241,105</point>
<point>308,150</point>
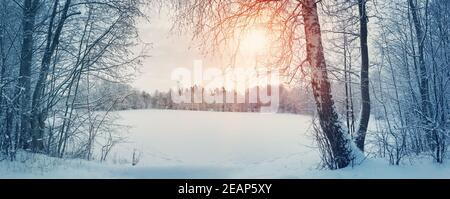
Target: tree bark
<point>365,93</point>
<point>24,84</point>
<point>39,114</point>
<point>432,139</point>
<point>328,117</point>
<point>420,37</point>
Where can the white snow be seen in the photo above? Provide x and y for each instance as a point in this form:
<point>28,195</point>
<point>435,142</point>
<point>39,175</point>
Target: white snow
<point>186,144</point>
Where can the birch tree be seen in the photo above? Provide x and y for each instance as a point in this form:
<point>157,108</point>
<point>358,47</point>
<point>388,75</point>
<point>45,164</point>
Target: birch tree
<point>297,25</point>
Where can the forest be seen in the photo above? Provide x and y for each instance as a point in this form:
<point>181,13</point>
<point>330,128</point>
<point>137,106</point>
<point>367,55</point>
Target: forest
<point>66,68</point>
<point>291,100</point>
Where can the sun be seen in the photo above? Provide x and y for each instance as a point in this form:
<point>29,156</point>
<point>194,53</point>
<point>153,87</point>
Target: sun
<point>254,41</point>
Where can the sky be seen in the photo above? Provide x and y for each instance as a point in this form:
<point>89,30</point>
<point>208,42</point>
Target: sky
<point>168,51</point>
<point>171,50</point>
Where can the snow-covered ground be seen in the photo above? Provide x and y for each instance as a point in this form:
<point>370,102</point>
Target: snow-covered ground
<point>185,144</point>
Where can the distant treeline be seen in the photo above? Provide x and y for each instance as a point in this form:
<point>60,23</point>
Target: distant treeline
<point>291,100</point>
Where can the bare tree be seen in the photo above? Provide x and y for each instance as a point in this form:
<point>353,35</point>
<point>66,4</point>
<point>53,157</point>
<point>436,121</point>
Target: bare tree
<point>38,115</point>
<point>365,93</point>
<point>217,23</point>
<point>30,8</point>
<point>411,79</point>
<point>66,47</point>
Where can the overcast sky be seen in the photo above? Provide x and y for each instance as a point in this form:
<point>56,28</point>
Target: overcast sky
<point>168,51</point>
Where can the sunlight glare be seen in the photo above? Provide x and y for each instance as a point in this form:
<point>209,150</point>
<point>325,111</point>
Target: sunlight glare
<point>254,42</point>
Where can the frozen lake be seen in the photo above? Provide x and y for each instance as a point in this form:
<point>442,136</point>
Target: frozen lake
<point>185,144</point>
<point>262,143</point>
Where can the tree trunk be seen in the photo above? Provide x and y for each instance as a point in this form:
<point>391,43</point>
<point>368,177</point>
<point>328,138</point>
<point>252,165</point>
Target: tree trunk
<point>24,87</point>
<point>331,127</point>
<point>39,114</point>
<point>365,94</point>
<point>420,37</point>
<point>2,55</point>
<point>3,137</point>
<point>424,82</point>
<point>346,84</point>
